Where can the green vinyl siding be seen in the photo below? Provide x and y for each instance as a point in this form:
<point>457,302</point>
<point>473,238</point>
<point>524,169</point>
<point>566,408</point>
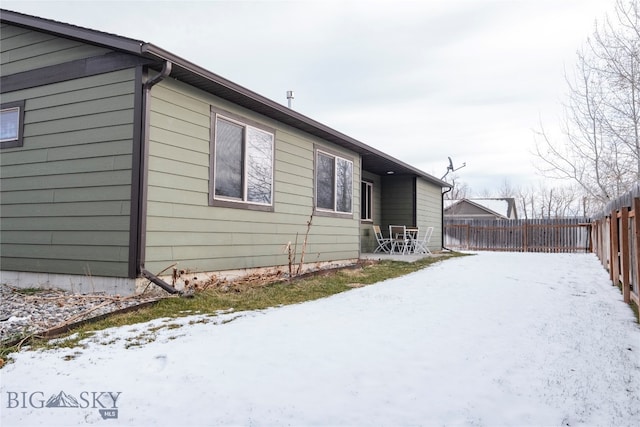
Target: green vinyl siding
<point>24,50</point>
<point>399,201</point>
<point>66,192</point>
<point>429,210</point>
<point>182,227</point>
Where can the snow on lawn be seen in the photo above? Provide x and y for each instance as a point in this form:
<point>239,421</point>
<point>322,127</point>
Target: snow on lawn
<point>491,339</point>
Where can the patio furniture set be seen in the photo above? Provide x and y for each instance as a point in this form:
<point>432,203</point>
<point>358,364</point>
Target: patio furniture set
<point>403,240</point>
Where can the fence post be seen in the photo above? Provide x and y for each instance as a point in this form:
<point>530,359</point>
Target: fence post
<point>624,254</point>
<point>614,270</point>
<point>607,229</point>
<point>525,237</point>
<point>636,221</point>
<point>598,238</point>
<point>468,236</point>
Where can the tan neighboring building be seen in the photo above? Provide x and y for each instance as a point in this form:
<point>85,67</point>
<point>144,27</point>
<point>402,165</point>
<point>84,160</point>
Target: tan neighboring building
<point>486,209</point>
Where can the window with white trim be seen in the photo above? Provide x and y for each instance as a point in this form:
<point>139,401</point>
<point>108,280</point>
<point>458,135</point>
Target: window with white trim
<point>11,124</point>
<point>334,183</point>
<point>366,201</point>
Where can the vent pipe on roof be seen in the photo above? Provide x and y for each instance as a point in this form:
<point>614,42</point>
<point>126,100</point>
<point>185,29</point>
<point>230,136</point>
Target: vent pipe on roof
<point>290,98</point>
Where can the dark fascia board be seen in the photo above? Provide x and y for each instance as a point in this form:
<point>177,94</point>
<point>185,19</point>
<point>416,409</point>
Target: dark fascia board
<point>224,88</point>
<point>112,41</point>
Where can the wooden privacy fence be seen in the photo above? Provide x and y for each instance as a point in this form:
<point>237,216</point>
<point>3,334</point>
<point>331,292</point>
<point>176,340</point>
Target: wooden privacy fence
<point>533,235</point>
<point>616,242</point>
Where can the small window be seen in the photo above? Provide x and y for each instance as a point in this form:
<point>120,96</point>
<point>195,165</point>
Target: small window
<point>11,124</point>
<point>366,203</point>
<point>243,157</point>
<point>334,183</point>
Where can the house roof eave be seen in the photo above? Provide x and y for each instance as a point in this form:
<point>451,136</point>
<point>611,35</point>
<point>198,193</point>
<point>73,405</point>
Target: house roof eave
<point>373,160</point>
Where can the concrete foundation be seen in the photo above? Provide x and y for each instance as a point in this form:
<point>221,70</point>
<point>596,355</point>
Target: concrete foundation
<point>125,286</point>
<point>69,282</point>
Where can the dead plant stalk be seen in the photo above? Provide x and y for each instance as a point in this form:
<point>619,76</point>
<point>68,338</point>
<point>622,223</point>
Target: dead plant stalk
<point>304,244</point>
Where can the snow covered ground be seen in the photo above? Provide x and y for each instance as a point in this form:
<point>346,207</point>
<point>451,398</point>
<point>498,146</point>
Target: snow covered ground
<point>491,339</point>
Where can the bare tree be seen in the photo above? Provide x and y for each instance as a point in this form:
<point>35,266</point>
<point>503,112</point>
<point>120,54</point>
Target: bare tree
<point>617,48</point>
<point>542,200</point>
<point>485,193</point>
<point>507,190</point>
<point>559,202</point>
<point>525,202</point>
<point>600,148</point>
<point>460,189</point>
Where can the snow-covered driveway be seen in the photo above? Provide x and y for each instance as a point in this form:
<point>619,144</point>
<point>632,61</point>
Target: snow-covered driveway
<point>491,339</point>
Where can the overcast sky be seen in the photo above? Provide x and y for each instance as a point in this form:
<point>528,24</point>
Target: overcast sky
<point>419,80</point>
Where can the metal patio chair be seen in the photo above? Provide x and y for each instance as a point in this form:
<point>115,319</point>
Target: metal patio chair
<point>399,239</point>
<point>421,244</point>
<point>383,242</point>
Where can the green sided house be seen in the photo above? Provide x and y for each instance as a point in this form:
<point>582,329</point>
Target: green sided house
<point>120,160</point>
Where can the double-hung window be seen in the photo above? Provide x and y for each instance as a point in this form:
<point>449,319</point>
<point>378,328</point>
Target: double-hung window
<point>11,124</point>
<point>243,157</point>
<point>334,183</point>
